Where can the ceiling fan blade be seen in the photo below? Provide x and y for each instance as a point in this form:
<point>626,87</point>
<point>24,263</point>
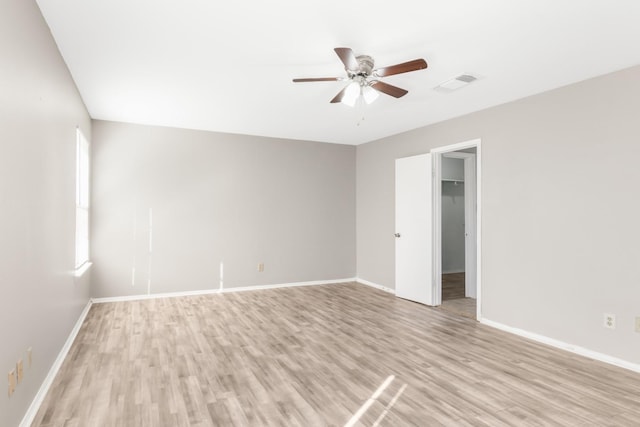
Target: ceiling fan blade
<point>383,87</point>
<point>405,67</point>
<point>318,79</point>
<point>339,96</point>
<point>348,58</point>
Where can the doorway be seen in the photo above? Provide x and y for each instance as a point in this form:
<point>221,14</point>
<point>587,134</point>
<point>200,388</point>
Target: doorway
<point>419,250</point>
<point>456,230</point>
<point>458,284</point>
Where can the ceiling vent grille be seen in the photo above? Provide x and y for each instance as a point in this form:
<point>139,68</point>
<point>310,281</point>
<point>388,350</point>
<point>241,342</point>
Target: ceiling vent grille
<point>456,83</point>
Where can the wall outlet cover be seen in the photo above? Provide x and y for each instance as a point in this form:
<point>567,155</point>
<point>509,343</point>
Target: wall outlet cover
<point>638,324</point>
<point>609,321</point>
<point>12,382</point>
<point>19,370</point>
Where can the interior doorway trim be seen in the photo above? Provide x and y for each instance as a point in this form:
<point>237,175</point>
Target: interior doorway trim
<point>437,219</point>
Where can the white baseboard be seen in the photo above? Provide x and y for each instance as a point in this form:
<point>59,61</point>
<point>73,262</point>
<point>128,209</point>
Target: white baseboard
<point>564,346</point>
<point>46,384</point>
<point>452,271</point>
<point>219,291</point>
<point>375,285</point>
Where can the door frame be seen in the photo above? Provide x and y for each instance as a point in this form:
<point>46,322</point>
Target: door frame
<point>470,221</point>
<point>438,153</point>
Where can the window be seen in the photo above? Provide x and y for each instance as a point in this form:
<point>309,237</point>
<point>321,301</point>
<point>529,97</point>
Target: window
<point>82,200</point>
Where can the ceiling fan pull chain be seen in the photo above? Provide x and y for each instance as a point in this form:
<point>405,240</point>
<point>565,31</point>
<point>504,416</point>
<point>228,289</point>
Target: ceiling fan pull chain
<point>360,109</point>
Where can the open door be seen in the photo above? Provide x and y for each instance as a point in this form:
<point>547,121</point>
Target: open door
<point>414,229</point>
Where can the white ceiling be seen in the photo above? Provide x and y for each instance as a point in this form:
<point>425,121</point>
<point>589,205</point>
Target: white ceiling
<point>227,66</point>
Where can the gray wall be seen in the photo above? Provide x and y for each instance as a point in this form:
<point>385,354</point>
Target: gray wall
<point>452,169</point>
<point>453,226</point>
<point>452,215</point>
<point>559,213</point>
<point>240,200</point>
<point>39,110</point>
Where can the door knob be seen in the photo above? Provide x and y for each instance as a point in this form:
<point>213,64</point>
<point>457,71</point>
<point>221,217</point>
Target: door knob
<point>397,234</point>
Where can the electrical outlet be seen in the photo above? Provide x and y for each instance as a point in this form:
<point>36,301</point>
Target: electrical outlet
<point>29,359</point>
<point>261,267</point>
<point>12,382</point>
<point>609,321</point>
<point>19,371</point>
<point>637,324</point>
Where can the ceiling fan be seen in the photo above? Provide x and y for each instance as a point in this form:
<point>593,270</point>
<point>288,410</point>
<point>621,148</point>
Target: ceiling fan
<point>364,78</point>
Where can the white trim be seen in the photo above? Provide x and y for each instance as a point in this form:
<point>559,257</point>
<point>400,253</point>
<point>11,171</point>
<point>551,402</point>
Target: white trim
<point>458,146</point>
<point>219,291</point>
<point>79,272</point>
<point>30,415</point>
<point>456,155</point>
<point>375,285</point>
<point>478,146</point>
<point>436,277</point>
<point>564,346</point>
<point>471,225</point>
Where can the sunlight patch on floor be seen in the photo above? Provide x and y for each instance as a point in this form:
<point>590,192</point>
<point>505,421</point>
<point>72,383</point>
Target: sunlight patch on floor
<point>363,409</point>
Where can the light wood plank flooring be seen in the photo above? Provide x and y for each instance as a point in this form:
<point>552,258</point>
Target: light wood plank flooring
<point>316,356</point>
<point>452,286</point>
<point>465,307</point>
<point>453,299</point>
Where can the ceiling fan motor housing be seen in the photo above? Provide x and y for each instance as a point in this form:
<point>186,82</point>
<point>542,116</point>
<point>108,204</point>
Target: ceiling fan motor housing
<point>365,66</point>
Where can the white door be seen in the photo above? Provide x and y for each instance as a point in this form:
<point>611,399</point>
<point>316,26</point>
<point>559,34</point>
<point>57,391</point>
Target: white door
<point>414,229</point>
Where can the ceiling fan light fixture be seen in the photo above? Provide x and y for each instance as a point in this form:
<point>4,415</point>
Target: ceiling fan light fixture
<point>351,94</point>
<point>369,94</point>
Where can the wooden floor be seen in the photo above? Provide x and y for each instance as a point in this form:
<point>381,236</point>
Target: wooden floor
<point>465,307</point>
<point>453,296</point>
<point>336,355</point>
<point>452,286</point>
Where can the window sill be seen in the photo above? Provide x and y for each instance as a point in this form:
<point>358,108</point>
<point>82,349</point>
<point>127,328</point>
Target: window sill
<point>79,272</point>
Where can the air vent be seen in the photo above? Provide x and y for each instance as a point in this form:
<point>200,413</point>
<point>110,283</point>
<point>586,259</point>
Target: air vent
<point>456,83</point>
